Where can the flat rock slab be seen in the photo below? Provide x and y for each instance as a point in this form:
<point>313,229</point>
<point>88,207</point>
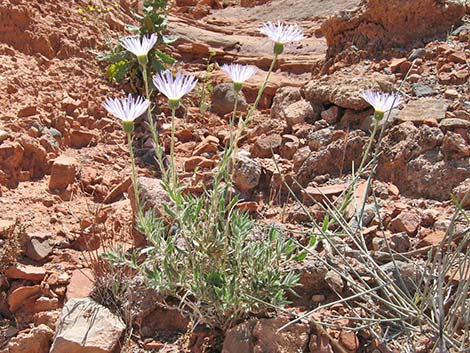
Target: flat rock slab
<point>86,326</point>
<point>424,109</point>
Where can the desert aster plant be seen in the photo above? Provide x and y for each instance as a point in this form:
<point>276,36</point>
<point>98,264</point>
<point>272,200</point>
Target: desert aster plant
<point>127,109</point>
<point>381,102</point>
<point>140,46</point>
<point>239,74</point>
<point>174,87</point>
<point>282,34</point>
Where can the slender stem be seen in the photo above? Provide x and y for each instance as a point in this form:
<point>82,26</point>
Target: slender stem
<point>232,119</point>
<point>134,175</point>
<point>369,145</point>
<point>174,176</point>
<point>153,129</point>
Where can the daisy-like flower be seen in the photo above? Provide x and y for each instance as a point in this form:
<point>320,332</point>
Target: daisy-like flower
<point>140,46</point>
<point>239,74</point>
<point>127,109</point>
<point>381,102</point>
<point>282,34</point>
<point>174,87</point>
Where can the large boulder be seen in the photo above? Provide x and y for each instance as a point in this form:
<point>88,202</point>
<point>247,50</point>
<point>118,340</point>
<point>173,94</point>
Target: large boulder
<point>86,326</point>
<point>379,24</point>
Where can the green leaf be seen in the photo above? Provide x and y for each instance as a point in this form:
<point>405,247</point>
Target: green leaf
<point>118,71</point>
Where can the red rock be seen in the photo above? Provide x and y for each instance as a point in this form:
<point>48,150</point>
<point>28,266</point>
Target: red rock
<point>405,222</point>
<point>349,340</point>
<point>265,146</point>
<point>431,237</point>
<point>35,340</point>
<point>21,295</point>
<point>27,272</point>
<point>82,138</point>
<point>193,162</point>
<point>322,192</point>
<point>116,192</point>
<point>27,111</point>
<point>209,145</point>
<point>330,115</point>
<point>290,145</point>
<point>320,344</point>
<point>451,94</point>
<point>395,64</point>
<point>6,226</point>
<point>458,57</point>
<point>11,154</point>
<point>63,172</point>
<point>81,284</point>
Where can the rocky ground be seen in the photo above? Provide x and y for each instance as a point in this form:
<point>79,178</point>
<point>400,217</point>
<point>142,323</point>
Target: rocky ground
<point>64,167</point>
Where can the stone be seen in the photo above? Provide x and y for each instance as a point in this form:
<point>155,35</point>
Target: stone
<point>451,94</point>
<point>82,138</point>
<point>399,242</point>
<point>396,63</point>
<point>320,344</point>
<point>81,284</point>
<point>247,171</point>
<point>454,123</point>
<point>27,272</point>
<point>27,111</point>
<point>262,336</point>
<point>322,193</point>
<point>223,99</point>
<point>421,90</point>
<point>301,111</point>
<point>349,341</point>
<point>191,163</point>
<point>290,145</point>
<point>21,295</point>
<point>334,281</point>
<point>152,196</point>
<point>319,138</point>
<point>344,89</point>
<point>454,146</point>
<point>116,192</point>
<point>35,340</point>
<point>407,222</point>
<point>266,146</point>
<point>330,115</point>
<point>3,135</point>
<point>11,154</point>
<point>285,97</point>
<point>63,172</point>
<point>462,193</point>
<point>376,26</point>
<point>38,248</point>
<point>6,226</point>
<point>86,326</point>
<point>423,109</point>
<point>431,238</point>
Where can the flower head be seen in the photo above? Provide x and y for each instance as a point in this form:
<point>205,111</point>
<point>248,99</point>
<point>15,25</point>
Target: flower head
<point>139,46</point>
<point>174,87</point>
<point>127,109</point>
<point>381,102</point>
<point>239,73</point>
<point>281,34</point>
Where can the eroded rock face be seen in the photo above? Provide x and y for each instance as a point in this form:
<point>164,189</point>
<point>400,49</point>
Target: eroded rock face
<point>86,326</point>
<point>418,161</point>
<point>378,24</point>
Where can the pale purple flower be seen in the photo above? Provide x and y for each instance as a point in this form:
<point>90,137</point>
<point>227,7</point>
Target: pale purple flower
<point>127,109</point>
<point>174,87</point>
<point>239,73</point>
<point>282,33</point>
<point>139,46</point>
<point>382,102</point>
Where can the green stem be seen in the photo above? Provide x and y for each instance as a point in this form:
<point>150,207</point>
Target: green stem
<point>134,175</point>
<point>174,176</point>
<point>369,145</point>
<point>153,129</point>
